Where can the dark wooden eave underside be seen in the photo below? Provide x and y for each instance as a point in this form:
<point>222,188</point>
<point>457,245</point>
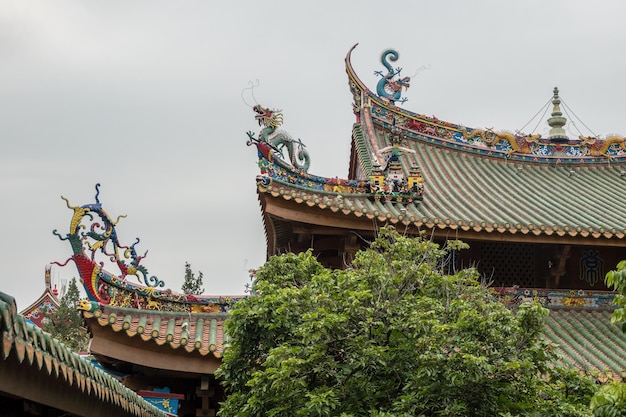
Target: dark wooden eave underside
<point>288,221</point>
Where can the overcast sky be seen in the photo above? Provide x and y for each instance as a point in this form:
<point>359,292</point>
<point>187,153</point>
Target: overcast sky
<point>144,97</point>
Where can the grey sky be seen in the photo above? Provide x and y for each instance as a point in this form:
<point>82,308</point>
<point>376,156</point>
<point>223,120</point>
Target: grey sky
<point>144,97</point>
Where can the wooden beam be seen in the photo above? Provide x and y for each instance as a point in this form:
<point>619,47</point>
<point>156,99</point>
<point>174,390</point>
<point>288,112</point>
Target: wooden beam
<point>205,392</point>
<point>313,215</point>
<point>313,229</point>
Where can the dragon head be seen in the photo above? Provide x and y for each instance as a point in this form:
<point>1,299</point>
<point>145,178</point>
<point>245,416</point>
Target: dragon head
<point>399,84</point>
<point>267,117</point>
<point>87,305</point>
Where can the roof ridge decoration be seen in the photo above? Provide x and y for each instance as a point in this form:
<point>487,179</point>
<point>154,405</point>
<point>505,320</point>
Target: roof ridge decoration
<point>556,298</point>
<point>270,120</point>
<point>94,241</point>
<point>557,121</point>
<point>380,108</point>
<point>389,183</point>
<point>391,84</point>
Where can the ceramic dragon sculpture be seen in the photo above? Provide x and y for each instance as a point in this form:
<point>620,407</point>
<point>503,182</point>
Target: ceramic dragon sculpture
<point>597,147</point>
<point>388,87</point>
<point>270,120</point>
<point>94,240</point>
<point>519,143</point>
<point>97,250</point>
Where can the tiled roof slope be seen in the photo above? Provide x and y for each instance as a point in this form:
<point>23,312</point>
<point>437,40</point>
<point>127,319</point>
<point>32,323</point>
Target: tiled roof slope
<point>33,348</point>
<point>580,324</point>
<point>486,193</point>
<point>479,194</point>
<point>202,333</point>
<point>587,340</point>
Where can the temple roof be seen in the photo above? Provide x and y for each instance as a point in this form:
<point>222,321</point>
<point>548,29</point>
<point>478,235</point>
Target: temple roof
<point>134,320</point>
<point>580,325</point>
<point>497,182</point>
<point>482,192</point>
<point>48,302</point>
<point>475,183</point>
<point>201,333</point>
<point>35,366</point>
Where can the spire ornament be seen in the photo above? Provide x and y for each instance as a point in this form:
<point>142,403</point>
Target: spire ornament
<point>557,121</point>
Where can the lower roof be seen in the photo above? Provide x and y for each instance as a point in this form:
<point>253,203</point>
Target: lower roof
<point>201,333</point>
<point>580,325</point>
<point>176,344</point>
<point>37,367</point>
<point>588,341</point>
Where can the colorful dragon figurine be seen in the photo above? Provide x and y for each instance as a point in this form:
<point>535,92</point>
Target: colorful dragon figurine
<point>278,139</point>
<point>95,245</point>
<point>596,146</point>
<point>92,232</point>
<point>388,87</point>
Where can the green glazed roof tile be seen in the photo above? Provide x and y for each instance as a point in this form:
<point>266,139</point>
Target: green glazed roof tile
<point>175,329</point>
<point>587,339</point>
<point>28,344</point>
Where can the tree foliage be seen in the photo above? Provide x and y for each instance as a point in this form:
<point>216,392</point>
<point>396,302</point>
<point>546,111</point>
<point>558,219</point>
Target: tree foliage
<point>65,323</point>
<point>192,283</point>
<point>610,400</point>
<point>617,280</point>
<point>391,336</point>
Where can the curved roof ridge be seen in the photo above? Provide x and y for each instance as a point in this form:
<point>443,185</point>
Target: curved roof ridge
<point>383,112</point>
<point>28,345</point>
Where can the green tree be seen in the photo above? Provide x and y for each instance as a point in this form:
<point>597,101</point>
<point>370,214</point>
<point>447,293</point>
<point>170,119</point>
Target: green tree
<point>193,283</point>
<point>65,323</point>
<point>610,400</point>
<point>391,336</point>
<point>617,280</point>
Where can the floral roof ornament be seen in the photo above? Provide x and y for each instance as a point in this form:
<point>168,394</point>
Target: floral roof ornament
<point>94,239</point>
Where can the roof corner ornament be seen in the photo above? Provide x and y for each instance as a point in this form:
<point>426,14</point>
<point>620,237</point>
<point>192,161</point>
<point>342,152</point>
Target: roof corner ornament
<point>391,84</point>
<point>94,241</point>
<point>271,139</point>
<point>96,247</point>
<point>390,182</point>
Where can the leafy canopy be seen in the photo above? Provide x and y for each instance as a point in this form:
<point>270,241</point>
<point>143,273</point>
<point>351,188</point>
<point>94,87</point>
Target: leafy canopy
<point>610,400</point>
<point>192,284</point>
<point>391,336</point>
<point>65,323</point>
